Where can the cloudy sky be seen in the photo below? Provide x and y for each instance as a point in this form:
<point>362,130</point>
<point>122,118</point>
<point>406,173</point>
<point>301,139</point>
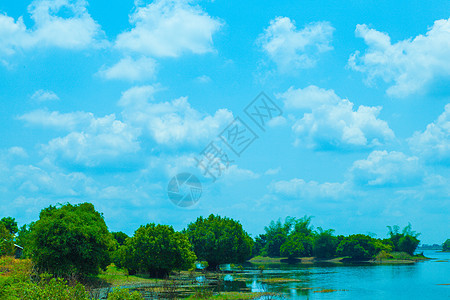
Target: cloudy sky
<point>105,101</point>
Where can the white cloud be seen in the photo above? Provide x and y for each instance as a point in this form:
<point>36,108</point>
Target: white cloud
<point>104,141</point>
<point>42,96</point>
<point>308,98</point>
<point>203,79</point>
<point>57,120</point>
<point>168,28</point>
<point>408,65</point>
<point>333,123</point>
<point>382,168</point>
<point>434,143</point>
<point>171,123</point>
<point>78,31</point>
<point>130,69</point>
<point>294,49</point>
<point>299,188</point>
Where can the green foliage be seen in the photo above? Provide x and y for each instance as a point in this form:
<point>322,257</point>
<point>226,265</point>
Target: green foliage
<point>293,238</point>
<point>405,241</point>
<point>124,294</point>
<point>17,284</point>
<point>219,240</point>
<point>24,239</point>
<point>446,246</point>
<point>71,239</point>
<point>408,244</point>
<point>359,247</point>
<point>10,224</point>
<point>120,237</point>
<point>325,244</point>
<point>6,241</point>
<point>258,246</point>
<point>156,250</point>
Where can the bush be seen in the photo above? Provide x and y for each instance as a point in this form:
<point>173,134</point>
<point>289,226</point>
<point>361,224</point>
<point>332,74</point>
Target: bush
<point>156,250</point>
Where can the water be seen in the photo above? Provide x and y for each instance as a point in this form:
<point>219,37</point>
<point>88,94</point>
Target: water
<point>409,281</point>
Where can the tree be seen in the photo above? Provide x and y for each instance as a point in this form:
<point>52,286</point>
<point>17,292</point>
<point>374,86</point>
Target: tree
<point>297,245</point>
<point>408,237</point>
<point>70,239</point>
<point>6,241</point>
<point>10,224</point>
<point>219,240</point>
<point>408,244</point>
<point>358,247</point>
<point>259,245</point>
<point>277,234</point>
<point>24,239</point>
<point>325,244</point>
<point>446,246</point>
<point>120,237</point>
<point>156,250</point>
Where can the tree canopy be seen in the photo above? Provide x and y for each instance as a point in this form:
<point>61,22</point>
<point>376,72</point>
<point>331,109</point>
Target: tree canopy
<point>156,250</point>
<point>219,240</point>
<point>10,224</point>
<point>446,246</point>
<point>70,239</point>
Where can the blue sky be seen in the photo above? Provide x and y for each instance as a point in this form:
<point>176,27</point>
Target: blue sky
<point>106,101</point>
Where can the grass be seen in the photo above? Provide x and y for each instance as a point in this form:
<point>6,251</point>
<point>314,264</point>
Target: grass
<point>279,280</point>
<point>231,296</point>
<point>114,276</point>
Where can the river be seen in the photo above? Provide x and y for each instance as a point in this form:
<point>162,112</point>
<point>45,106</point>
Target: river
<point>422,280</point>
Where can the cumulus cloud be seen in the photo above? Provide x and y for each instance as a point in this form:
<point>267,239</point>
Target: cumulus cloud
<point>333,123</point>
<point>308,98</point>
<point>409,65</point>
<point>291,48</point>
<point>104,141</point>
<point>51,28</point>
<point>172,122</point>
<point>383,168</point>
<point>57,120</point>
<point>433,144</point>
<point>299,188</point>
<point>43,95</point>
<point>132,70</point>
<point>168,28</point>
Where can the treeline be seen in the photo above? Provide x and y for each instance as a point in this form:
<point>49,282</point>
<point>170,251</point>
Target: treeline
<point>73,240</point>
<point>297,238</point>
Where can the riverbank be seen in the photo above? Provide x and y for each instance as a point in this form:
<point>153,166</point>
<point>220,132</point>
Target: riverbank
<point>388,258</point>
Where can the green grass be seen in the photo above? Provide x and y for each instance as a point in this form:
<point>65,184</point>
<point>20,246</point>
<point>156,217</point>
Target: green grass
<point>118,277</point>
<point>230,296</point>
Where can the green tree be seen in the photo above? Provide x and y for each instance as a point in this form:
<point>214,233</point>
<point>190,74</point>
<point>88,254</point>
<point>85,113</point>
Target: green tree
<point>259,245</point>
<point>10,224</point>
<point>446,246</point>
<point>408,237</point>
<point>23,239</point>
<point>219,240</point>
<point>156,250</point>
<point>120,237</point>
<point>325,244</point>
<point>6,241</point>
<point>297,245</point>
<point>358,247</point>
<point>70,239</point>
<point>408,244</point>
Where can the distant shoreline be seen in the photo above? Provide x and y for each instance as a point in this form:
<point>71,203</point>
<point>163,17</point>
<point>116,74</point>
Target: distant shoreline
<point>337,260</point>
